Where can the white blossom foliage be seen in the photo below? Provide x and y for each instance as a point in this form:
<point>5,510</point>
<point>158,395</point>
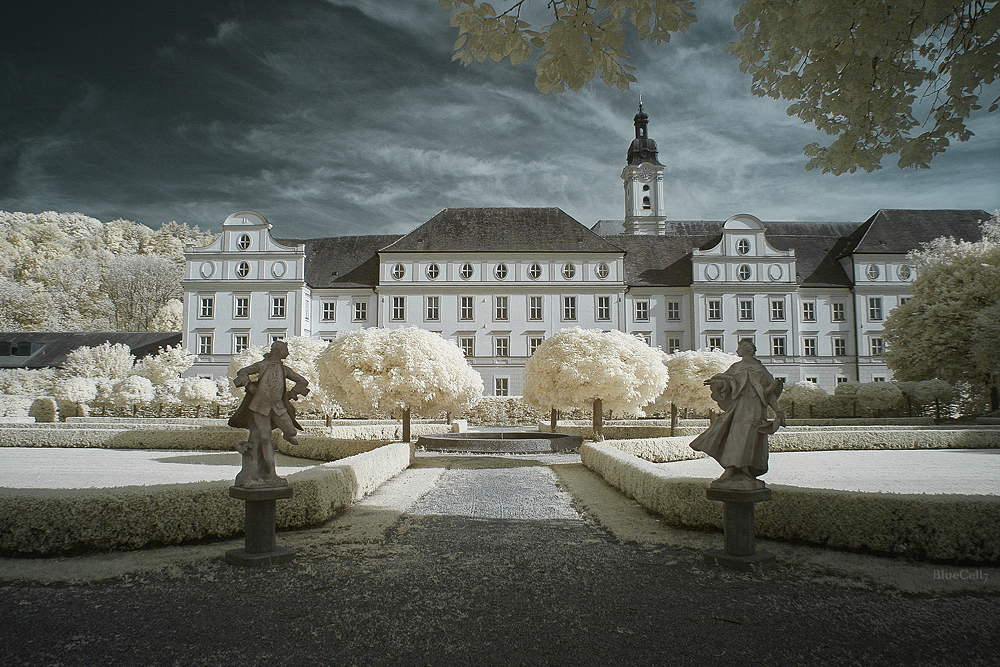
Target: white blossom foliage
<point>168,363</point>
<point>133,390</point>
<point>105,360</point>
<point>577,366</point>
<point>76,390</point>
<point>688,371</point>
<point>802,395</point>
<point>391,370</point>
<point>197,391</point>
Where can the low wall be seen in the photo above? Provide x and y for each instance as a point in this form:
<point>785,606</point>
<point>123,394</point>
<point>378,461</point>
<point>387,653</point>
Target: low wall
<point>935,527</point>
<point>56,521</point>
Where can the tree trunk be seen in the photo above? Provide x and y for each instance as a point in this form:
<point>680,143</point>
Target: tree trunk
<point>553,420</point>
<point>994,399</point>
<point>406,425</point>
<point>793,410</point>
<point>937,410</point>
<point>329,420</point>
<point>673,418</point>
<point>810,411</point>
<point>598,420</point>
<point>448,418</point>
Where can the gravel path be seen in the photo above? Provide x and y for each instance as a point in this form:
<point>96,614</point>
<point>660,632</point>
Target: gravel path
<point>447,565</point>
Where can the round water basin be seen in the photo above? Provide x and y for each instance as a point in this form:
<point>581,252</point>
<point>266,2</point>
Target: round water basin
<point>518,442</point>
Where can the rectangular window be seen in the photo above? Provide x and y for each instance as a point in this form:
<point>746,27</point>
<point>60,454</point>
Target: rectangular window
<point>205,344</point>
<point>841,379</point>
<point>533,343</point>
<point>466,310</point>
<point>839,312</point>
<point>360,311</point>
<point>875,308</point>
<point>275,336</point>
<point>777,310</point>
<point>715,310</point>
<point>207,307</point>
<point>813,380</point>
<point>673,345</point>
<point>604,308</point>
<point>903,300</point>
<point>877,347</point>
<point>500,304</point>
<point>809,347</point>
<point>501,346</point>
<point>809,311</point>
<point>673,310</point>
<point>329,311</point>
<point>645,337</point>
<point>241,341</point>
<point>746,309</point>
<point>501,386</point>
<point>878,378</point>
<point>277,306</point>
<point>569,308</point>
<point>468,345</point>
<point>715,342</point>
<point>399,308</point>
<point>778,346</point>
<point>241,307</point>
<point>839,347</point>
<point>433,310</point>
<point>535,308</point>
<point>642,311</point>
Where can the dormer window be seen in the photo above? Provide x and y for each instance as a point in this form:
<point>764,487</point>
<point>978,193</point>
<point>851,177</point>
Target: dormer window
<point>872,272</point>
<point>398,271</point>
<point>603,271</point>
<point>244,242</point>
<point>568,270</point>
<point>535,271</point>
<point>433,271</point>
<point>743,246</point>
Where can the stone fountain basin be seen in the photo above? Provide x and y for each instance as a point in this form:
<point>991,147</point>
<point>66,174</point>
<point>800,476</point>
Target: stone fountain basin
<point>518,442</point>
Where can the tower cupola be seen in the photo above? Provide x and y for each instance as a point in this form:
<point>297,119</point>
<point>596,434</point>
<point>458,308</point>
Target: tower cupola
<point>642,149</point>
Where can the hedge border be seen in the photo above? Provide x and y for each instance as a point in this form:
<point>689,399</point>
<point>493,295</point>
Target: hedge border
<point>926,527</point>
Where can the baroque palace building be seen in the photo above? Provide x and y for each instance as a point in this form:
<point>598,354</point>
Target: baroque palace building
<point>498,281</point>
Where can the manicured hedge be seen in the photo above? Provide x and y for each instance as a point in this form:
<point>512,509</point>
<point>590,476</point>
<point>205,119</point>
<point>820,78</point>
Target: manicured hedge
<point>936,527</point>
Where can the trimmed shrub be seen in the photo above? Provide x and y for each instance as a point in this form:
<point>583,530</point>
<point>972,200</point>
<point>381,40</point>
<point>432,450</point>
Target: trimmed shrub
<point>44,409</point>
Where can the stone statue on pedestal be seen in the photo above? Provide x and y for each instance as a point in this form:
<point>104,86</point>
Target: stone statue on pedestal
<point>266,406</point>
<point>738,438</point>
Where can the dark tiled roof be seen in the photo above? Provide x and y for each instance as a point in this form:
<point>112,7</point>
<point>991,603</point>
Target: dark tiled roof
<point>501,229</point>
<point>51,347</point>
<point>898,231</point>
<point>666,260</point>
<point>343,261</point>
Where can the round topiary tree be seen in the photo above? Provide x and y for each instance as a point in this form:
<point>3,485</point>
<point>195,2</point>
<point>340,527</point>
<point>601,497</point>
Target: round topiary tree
<point>591,368</point>
<point>933,392</point>
<point>847,392</point>
<point>879,396</point>
<point>197,392</point>
<point>399,371</point>
<point>76,390</point>
<point>686,385</point>
<point>803,394</point>
<point>132,391</point>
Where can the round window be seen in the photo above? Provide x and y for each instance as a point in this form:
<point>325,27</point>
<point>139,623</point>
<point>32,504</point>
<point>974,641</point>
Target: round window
<point>244,242</point>
<point>500,271</point>
<point>743,273</point>
<point>872,272</point>
<point>433,271</point>
<point>568,270</point>
<point>466,271</point>
<point>398,271</point>
<point>712,271</point>
<point>903,271</point>
<point>243,269</point>
<point>603,271</point>
<point>535,271</point>
<point>743,246</point>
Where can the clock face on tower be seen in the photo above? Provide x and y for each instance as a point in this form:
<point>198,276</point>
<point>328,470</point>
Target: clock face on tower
<point>645,174</point>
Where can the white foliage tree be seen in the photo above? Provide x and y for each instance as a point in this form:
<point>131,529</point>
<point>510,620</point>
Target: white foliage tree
<point>801,395</point>
<point>77,390</point>
<point>170,316</point>
<point>599,370</point>
<point>101,361</point>
<point>132,392</point>
<point>879,396</point>
<point>688,371</point>
<point>167,364</point>
<point>197,392</point>
<point>399,371</point>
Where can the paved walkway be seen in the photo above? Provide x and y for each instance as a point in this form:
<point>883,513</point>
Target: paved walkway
<point>488,560</point>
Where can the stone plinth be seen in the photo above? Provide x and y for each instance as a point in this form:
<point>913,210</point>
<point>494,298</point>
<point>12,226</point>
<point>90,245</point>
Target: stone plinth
<point>738,530</point>
<point>260,547</point>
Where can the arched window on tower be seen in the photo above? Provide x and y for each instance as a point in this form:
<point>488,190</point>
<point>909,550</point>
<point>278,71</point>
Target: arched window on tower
<point>645,203</point>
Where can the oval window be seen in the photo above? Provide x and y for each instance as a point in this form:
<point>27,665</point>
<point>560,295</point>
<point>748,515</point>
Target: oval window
<point>603,271</point>
<point>466,271</point>
<point>500,271</point>
<point>207,269</point>
<point>743,273</point>
<point>743,246</point>
<point>535,271</point>
<point>903,272</point>
<point>244,242</point>
<point>278,269</point>
<point>712,271</point>
<point>398,271</point>
<point>568,270</point>
<point>433,271</point>
<point>774,272</point>
<point>243,269</point>
<point>872,272</point>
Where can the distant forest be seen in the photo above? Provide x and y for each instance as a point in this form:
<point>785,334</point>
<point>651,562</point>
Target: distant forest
<point>71,272</point>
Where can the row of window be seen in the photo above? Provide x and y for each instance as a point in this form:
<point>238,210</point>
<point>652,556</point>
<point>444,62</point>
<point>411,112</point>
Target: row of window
<point>241,308</point>
<point>810,345</point>
<point>838,312</point>
<point>501,308</point>
<point>501,271</point>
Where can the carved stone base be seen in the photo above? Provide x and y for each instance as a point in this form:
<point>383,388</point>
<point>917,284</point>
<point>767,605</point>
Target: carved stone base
<point>260,548</point>
<point>760,560</point>
<point>738,530</point>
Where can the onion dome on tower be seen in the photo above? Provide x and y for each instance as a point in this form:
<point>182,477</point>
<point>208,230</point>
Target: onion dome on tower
<point>642,148</point>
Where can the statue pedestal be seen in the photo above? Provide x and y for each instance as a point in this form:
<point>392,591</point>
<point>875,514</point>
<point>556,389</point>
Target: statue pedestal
<point>738,531</point>
<point>260,546</point>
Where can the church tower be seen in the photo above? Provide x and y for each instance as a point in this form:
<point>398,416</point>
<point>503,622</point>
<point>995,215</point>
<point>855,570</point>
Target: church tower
<point>643,176</point>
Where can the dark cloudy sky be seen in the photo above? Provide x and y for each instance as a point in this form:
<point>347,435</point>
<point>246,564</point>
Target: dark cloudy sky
<point>350,117</point>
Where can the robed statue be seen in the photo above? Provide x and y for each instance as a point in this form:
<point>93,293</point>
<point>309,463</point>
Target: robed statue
<point>738,438</point>
<point>267,405</point>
